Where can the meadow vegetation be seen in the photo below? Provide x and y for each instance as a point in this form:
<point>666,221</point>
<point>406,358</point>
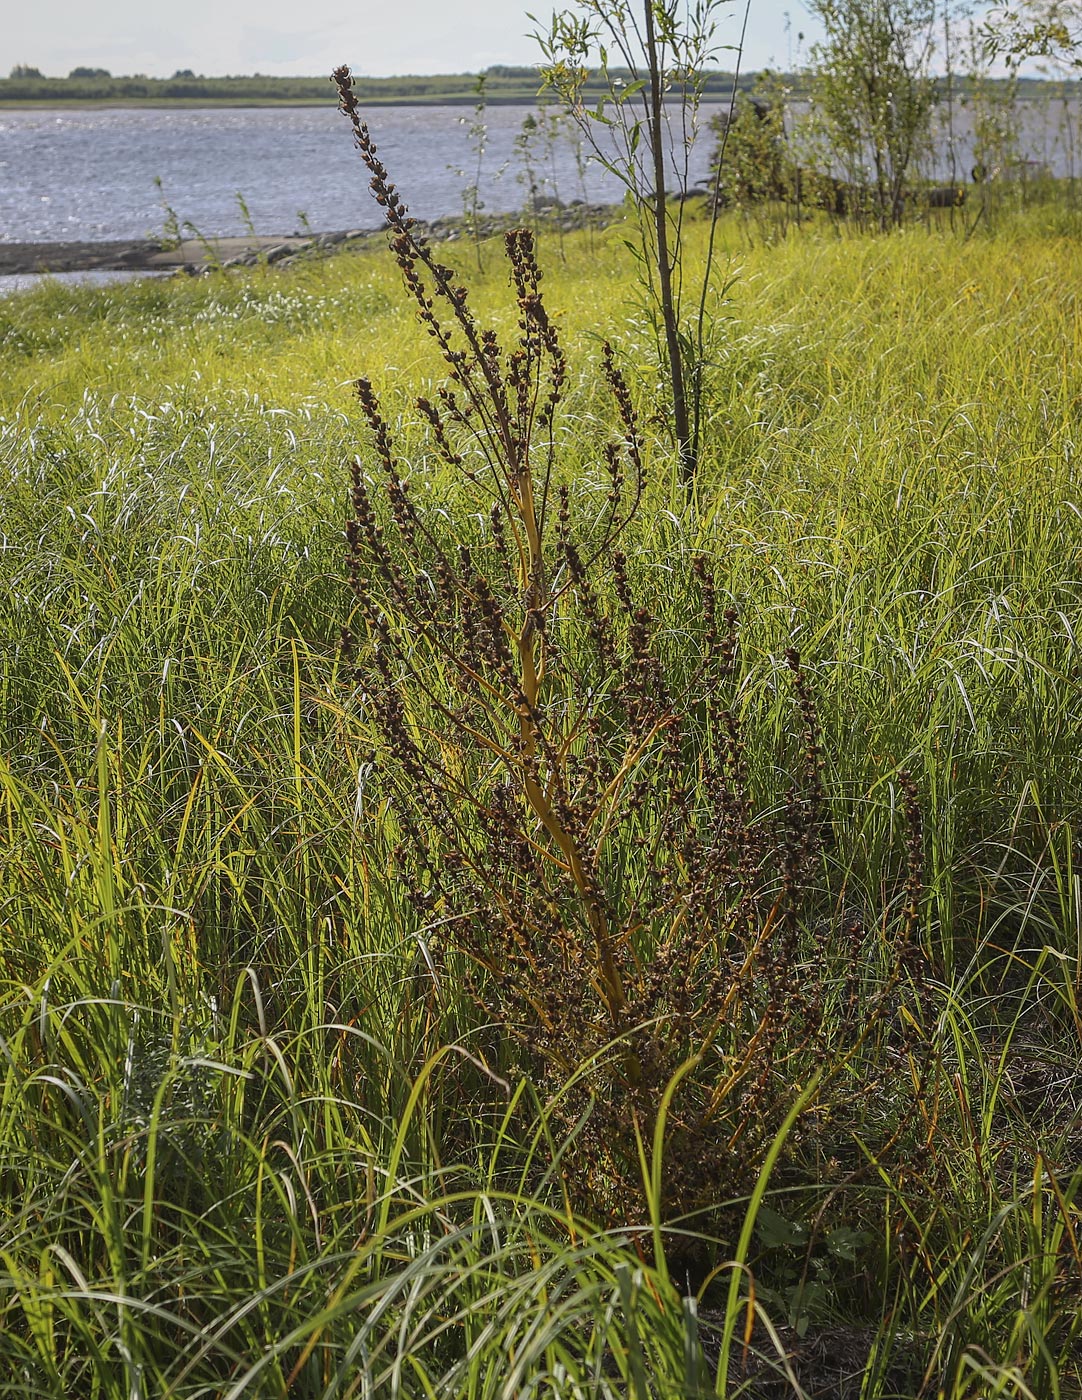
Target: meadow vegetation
<point>704,1019</point>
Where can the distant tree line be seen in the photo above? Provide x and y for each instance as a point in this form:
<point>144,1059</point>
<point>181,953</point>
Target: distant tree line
<point>503,84</point>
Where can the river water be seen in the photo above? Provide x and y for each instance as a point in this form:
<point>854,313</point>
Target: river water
<point>90,173</point>
<point>75,174</point>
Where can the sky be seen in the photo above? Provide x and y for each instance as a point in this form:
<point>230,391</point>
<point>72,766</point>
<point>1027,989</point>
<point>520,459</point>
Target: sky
<point>375,37</point>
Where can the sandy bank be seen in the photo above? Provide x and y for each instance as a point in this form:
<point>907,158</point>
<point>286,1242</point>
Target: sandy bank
<point>150,256</point>
<point>196,255</point>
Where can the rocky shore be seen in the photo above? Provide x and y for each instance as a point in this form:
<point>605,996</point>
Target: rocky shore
<point>196,256</point>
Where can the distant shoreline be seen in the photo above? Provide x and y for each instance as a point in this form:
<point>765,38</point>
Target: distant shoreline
<point>517,87</point>
<point>501,87</point>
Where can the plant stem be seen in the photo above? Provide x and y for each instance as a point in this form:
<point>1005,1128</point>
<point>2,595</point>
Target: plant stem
<point>684,444</point>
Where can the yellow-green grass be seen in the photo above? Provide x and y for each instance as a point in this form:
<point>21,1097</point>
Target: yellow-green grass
<point>232,1150</point>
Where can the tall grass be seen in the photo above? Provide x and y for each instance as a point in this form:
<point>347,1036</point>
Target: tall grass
<point>255,1139</point>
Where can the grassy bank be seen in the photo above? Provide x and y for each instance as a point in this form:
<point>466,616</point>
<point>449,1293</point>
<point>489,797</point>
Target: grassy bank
<point>265,1129</point>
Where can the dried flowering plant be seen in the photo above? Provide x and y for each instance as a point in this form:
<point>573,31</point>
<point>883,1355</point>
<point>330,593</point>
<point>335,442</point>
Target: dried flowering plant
<point>571,827</point>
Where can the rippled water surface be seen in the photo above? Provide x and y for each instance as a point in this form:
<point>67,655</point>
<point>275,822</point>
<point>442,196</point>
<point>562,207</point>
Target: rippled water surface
<point>89,173</point>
